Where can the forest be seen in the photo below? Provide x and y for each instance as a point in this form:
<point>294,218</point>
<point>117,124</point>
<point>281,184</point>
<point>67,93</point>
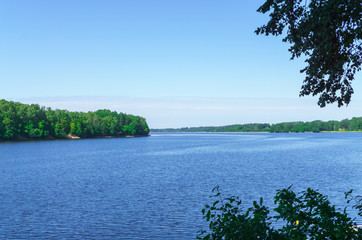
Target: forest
<point>23,121</point>
<point>346,125</point>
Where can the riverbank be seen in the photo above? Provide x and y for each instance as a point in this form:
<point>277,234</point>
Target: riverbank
<point>68,137</point>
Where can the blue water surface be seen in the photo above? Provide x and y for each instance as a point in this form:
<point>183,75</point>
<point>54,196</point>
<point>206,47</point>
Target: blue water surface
<point>155,187</point>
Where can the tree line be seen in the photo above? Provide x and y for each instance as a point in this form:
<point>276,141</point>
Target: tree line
<point>252,127</point>
<point>354,124</point>
<point>19,121</point>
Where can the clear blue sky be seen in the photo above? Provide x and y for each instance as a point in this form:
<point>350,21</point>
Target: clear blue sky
<point>187,53</point>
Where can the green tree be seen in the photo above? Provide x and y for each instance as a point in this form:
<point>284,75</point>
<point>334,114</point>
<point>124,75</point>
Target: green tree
<point>345,124</point>
<point>8,128</point>
<point>72,128</point>
<point>328,33</point>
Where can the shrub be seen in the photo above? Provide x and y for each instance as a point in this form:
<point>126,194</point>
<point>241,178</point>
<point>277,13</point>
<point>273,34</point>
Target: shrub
<point>304,215</point>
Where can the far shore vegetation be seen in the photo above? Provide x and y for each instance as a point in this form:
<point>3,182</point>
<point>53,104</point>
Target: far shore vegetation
<point>346,125</point>
<point>22,121</point>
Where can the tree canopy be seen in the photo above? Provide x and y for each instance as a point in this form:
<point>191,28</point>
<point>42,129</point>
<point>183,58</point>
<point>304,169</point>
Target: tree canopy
<point>19,121</point>
<point>329,34</point>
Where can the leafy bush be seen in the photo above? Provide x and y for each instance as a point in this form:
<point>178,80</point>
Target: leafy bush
<point>304,215</point>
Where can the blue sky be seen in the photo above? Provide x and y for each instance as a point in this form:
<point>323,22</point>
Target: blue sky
<point>148,57</point>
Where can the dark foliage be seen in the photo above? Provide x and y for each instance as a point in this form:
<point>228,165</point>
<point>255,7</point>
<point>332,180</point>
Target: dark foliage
<point>304,215</point>
<point>328,33</point>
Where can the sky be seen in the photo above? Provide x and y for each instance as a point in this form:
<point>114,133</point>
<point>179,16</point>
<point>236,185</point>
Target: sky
<point>177,63</point>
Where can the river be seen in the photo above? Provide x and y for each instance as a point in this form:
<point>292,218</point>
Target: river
<point>155,187</point>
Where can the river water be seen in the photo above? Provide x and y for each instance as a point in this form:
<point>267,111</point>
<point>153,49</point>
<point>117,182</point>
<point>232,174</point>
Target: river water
<point>155,187</point>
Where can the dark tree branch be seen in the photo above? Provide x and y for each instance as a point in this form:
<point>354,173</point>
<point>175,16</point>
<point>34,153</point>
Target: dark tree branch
<point>329,34</point>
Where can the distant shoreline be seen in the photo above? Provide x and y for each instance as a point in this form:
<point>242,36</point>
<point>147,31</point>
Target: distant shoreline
<point>263,132</point>
<point>346,125</point>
